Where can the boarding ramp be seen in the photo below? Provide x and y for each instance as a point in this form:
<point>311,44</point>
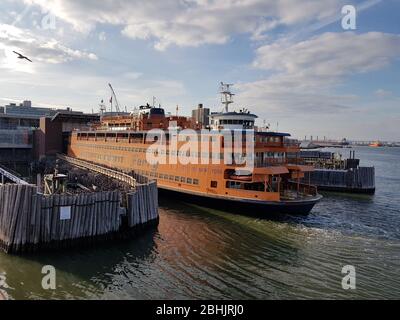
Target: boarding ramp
<point>123,177</point>
<point>6,173</point>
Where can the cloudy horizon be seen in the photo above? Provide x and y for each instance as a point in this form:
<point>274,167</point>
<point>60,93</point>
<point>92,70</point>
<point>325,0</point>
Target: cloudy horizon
<point>291,61</point>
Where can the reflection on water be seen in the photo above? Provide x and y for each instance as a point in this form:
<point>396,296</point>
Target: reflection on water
<point>202,253</point>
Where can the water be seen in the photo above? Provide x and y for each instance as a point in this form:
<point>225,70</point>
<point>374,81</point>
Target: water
<point>205,254</point>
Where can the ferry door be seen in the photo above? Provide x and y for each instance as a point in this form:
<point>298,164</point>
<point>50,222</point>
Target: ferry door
<point>260,158</point>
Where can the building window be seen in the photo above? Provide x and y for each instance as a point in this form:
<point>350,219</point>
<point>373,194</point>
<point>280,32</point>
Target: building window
<point>214,184</point>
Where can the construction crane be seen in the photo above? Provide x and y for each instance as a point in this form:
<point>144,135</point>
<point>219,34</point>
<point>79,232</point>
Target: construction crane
<point>114,96</point>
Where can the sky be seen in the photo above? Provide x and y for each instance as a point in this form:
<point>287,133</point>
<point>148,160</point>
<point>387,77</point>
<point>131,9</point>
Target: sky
<point>292,62</point>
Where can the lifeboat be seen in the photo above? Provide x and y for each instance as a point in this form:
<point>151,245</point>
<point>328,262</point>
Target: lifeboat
<point>240,178</point>
<point>241,175</point>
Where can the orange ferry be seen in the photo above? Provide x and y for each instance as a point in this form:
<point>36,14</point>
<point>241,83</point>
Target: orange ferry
<point>272,185</point>
<point>376,144</point>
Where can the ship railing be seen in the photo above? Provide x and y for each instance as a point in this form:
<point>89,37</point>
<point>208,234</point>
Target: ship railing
<point>123,177</point>
<point>291,143</point>
<point>301,188</point>
<point>270,163</point>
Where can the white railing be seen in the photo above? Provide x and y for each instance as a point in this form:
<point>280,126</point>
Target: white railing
<point>10,176</point>
<point>100,169</point>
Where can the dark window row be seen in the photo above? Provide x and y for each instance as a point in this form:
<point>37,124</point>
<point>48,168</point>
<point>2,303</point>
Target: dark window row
<point>162,176</point>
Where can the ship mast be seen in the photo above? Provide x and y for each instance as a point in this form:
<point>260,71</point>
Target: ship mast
<point>226,95</point>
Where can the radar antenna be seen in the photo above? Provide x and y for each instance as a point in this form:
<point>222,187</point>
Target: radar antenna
<point>226,95</point>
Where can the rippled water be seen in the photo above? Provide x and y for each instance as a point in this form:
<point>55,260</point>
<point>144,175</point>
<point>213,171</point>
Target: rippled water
<point>202,253</point>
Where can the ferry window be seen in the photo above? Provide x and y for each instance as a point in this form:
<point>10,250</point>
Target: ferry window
<point>233,185</point>
<point>196,182</point>
<point>171,178</point>
<point>214,184</point>
<point>177,179</point>
<point>189,180</point>
<point>183,179</point>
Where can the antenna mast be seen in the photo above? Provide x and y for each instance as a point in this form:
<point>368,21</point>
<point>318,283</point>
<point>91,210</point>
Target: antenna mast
<point>226,95</point>
<point>103,108</point>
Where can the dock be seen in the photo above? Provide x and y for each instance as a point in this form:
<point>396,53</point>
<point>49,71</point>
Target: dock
<point>75,212</point>
<point>355,180</point>
<point>333,173</point>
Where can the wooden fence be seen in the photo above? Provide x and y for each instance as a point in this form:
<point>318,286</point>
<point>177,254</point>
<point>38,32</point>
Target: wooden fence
<point>31,221</point>
<point>145,202</point>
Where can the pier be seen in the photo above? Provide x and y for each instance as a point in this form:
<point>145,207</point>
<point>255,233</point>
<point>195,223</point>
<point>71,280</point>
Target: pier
<point>75,210</point>
<point>354,180</point>
<point>333,173</point>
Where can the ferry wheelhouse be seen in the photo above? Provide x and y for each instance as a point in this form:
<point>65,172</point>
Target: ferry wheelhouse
<point>274,183</point>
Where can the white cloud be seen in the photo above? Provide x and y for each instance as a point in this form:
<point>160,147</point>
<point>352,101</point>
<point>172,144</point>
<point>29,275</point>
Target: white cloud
<point>382,93</point>
<point>190,22</point>
<point>303,75</point>
<point>84,91</point>
<point>39,49</point>
<point>102,36</point>
<point>330,55</point>
<point>133,75</point>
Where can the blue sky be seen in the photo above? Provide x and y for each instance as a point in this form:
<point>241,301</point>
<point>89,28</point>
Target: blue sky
<point>291,61</point>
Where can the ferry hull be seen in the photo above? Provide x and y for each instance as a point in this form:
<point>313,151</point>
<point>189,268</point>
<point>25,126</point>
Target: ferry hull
<point>251,208</point>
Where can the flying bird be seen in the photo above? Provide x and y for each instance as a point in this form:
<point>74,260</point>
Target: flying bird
<point>20,56</point>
